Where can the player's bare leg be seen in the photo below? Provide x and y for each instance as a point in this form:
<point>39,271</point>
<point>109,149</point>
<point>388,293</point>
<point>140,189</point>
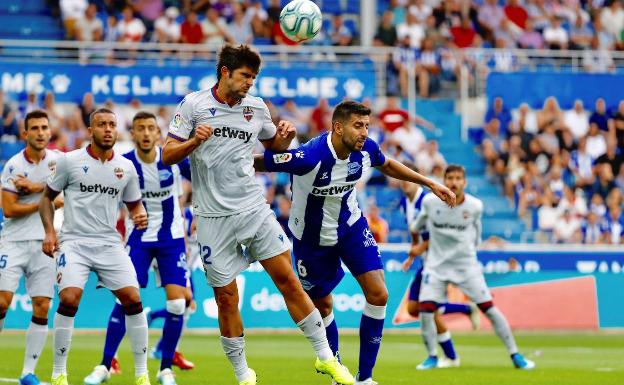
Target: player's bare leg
<point>373,285</point>
<point>6,297</point>
<point>136,327</point>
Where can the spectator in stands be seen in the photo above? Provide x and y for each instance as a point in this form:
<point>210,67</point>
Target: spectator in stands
<point>539,12</point>
<point>339,33</point>
<point>581,163</point>
<point>568,228</point>
<point>503,59</point>
<point>274,10</point>
<point>550,115</point>
<point>398,11</point>
<point>259,18</point>
<point>600,116</point>
<point>240,28</point>
<point>413,29</point>
<point>89,28</point>
<point>508,32</point>
<point>574,201</point>
<point>448,14</point>
<point>430,157</point>
<point>581,35</point>
<point>320,118</point>
<point>386,34</point>
<point>592,231</point>
<point>614,225</point>
<point>71,12</point>
<point>428,69</point>
<point>56,120</point>
<point>215,29</point>
<point>190,30</point>
<point>524,120</point>
<point>291,112</point>
<point>163,118</point>
<point>439,36</point>
<point>597,206</point>
<point>404,60</point>
<point>577,120</point>
<point>378,226</point>
<point>499,111</point>
<point>598,60</point>
<point>490,16</point>
<point>606,40</point>
<point>130,28</point>
<point>515,13</point>
<point>84,110</point>
<point>167,28</point>
<point>619,179</point>
<point>463,35</point>
<point>618,125</point>
<point>226,8</point>
<point>408,140</point>
<point>529,189</point>
<point>546,217</point>
<point>149,11</point>
<point>8,122</point>
<point>493,142</point>
<point>604,182</point>
<point>612,17</point>
<point>111,33</point>
<point>32,103</point>
<point>73,135</point>
<point>420,10</point>
<point>596,143</point>
<point>555,36</point>
<point>393,116</point>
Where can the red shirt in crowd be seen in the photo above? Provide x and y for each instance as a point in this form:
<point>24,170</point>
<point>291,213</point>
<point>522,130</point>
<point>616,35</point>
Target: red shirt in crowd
<point>517,15</point>
<point>191,34</point>
<point>393,119</point>
<point>463,37</point>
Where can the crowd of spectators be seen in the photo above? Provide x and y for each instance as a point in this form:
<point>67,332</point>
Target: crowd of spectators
<point>563,169</point>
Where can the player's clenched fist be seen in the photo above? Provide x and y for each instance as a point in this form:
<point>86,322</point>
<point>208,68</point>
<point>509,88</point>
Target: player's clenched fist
<point>202,133</point>
<point>286,129</point>
<point>50,244</point>
<point>140,220</point>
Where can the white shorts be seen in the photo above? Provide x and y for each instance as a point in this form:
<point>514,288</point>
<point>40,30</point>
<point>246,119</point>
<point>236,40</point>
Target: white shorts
<point>433,289</point>
<point>229,244</point>
<point>26,258</point>
<point>110,263</point>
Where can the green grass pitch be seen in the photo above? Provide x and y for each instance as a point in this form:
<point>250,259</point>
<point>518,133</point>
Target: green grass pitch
<point>287,359</point>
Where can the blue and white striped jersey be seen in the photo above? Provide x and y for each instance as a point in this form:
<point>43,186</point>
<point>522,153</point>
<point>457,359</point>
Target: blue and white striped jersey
<point>324,204</point>
<point>411,209</point>
<point>161,186</point>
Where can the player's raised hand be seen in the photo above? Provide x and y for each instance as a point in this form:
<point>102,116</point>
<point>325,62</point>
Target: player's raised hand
<point>445,194</point>
<point>50,244</point>
<point>140,220</point>
<point>286,129</point>
<point>202,133</point>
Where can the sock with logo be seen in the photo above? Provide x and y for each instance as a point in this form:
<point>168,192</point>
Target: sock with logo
<point>234,349</point>
<point>371,329</point>
<point>35,340</point>
<point>136,326</point>
<point>63,329</point>
<point>172,331</point>
<point>331,330</point>
<point>314,330</point>
<point>446,343</point>
<point>114,334</point>
<point>450,308</point>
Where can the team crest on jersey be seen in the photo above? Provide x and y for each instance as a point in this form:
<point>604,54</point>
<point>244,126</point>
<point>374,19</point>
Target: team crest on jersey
<point>282,158</point>
<point>466,214</point>
<point>213,111</point>
<point>248,113</point>
<point>163,175</point>
<point>177,120</point>
<point>119,172</point>
<point>353,168</point>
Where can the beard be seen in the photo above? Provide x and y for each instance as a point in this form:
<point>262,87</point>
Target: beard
<point>102,145</point>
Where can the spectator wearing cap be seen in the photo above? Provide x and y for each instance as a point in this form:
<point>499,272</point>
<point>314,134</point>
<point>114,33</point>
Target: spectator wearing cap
<point>167,28</point>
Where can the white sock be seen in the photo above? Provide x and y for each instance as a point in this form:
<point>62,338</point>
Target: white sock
<point>136,328</point>
<point>443,337</point>
<point>35,340</point>
<point>502,329</point>
<point>429,332</point>
<point>234,349</point>
<point>314,330</point>
<point>63,329</point>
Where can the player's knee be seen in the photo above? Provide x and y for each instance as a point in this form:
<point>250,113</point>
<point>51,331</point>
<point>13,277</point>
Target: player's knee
<point>41,306</point>
<point>4,305</point>
<point>485,306</point>
<point>70,297</point>
<point>428,307</point>
<point>288,284</point>
<point>324,305</point>
<point>413,309</point>
<point>227,300</point>
<point>378,297</point>
<point>176,306</point>
<point>133,308</point>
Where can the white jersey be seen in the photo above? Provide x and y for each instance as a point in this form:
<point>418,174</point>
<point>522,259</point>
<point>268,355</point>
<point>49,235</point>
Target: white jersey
<point>29,227</point>
<point>93,193</point>
<point>454,234</point>
<point>324,204</point>
<point>161,186</point>
<point>222,167</point>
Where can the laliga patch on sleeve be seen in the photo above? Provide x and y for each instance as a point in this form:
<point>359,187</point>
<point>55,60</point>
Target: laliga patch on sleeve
<point>282,158</point>
<point>177,120</point>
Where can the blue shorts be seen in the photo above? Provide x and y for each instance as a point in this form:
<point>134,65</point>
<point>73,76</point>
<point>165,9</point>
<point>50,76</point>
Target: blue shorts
<point>170,258</point>
<point>414,290</point>
<point>320,267</point>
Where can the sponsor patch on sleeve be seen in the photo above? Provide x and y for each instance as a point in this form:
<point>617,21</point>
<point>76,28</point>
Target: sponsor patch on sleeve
<point>177,120</point>
<point>282,158</point>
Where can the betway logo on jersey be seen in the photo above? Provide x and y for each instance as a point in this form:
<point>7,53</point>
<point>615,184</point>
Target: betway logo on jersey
<point>98,188</point>
<point>333,190</point>
<point>156,194</point>
<point>232,133</point>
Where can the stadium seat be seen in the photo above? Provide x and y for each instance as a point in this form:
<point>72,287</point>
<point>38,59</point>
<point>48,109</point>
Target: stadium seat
<point>8,149</point>
<point>331,6</point>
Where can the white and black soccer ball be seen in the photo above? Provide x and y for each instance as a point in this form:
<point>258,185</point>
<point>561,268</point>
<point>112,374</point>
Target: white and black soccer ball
<point>301,20</point>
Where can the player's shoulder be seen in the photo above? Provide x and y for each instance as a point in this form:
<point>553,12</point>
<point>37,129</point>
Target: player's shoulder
<point>429,199</point>
<point>77,154</point>
<point>370,144</point>
<point>473,201</point>
<point>195,97</point>
<point>16,161</point>
<point>54,154</point>
<point>254,101</point>
<point>130,155</point>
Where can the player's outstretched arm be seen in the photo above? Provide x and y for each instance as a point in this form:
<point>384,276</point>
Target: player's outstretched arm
<point>175,151</point>
<point>286,132</point>
<point>398,170</point>
<point>46,211</point>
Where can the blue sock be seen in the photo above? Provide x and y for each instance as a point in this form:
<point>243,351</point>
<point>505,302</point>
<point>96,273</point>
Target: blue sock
<point>450,308</point>
<point>446,343</point>
<point>169,341</point>
<point>371,329</point>
<point>331,329</point>
<point>114,334</point>
<point>154,315</point>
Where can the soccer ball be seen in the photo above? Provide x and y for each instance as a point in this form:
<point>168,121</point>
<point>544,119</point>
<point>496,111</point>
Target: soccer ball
<point>301,20</point>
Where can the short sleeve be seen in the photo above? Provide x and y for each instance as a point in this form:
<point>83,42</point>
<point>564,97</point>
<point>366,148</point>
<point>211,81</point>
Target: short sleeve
<point>268,130</point>
<point>182,123</point>
<point>8,173</point>
<point>185,169</point>
<point>420,222</point>
<point>132,191</point>
<point>57,181</point>
<point>376,156</point>
<point>299,161</point>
